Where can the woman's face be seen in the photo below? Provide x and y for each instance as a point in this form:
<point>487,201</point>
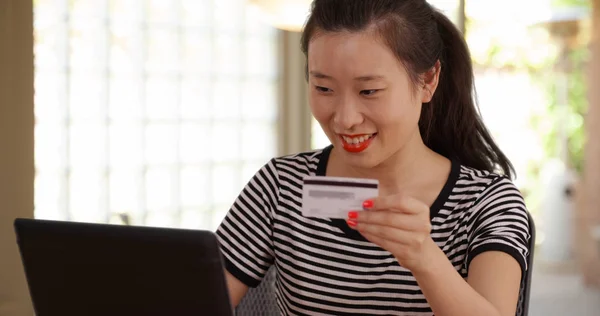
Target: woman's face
<point>363,98</point>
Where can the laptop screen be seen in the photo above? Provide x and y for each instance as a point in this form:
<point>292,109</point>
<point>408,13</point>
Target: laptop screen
<point>95,269</point>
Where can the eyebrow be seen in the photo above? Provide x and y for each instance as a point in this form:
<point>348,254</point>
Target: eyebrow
<point>320,75</point>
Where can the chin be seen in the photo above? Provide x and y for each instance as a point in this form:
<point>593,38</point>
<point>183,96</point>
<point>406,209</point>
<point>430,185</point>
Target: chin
<point>364,160</point>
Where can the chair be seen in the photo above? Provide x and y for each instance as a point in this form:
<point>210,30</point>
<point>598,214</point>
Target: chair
<point>261,300</point>
<point>525,291</point>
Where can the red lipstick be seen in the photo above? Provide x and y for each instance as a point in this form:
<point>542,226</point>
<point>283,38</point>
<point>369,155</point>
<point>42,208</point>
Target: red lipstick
<point>356,143</point>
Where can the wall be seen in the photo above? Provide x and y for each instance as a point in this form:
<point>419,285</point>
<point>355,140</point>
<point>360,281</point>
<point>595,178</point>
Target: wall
<point>16,147</point>
<point>294,112</point>
<point>589,202</point>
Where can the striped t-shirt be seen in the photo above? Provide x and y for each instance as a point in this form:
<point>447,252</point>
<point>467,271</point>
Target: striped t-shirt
<point>324,267</point>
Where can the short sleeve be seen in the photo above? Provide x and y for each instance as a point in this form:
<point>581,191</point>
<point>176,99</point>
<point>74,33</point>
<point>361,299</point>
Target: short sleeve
<point>499,222</point>
<point>245,233</point>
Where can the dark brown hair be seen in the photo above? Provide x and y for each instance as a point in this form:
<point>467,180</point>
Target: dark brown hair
<point>420,35</point>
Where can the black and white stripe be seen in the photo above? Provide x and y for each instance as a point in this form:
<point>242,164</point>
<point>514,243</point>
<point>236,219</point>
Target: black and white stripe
<point>326,268</point>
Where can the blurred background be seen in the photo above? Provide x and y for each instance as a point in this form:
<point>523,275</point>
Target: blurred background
<point>157,112</point>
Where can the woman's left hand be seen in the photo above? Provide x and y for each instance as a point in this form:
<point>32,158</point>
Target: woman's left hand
<point>399,224</point>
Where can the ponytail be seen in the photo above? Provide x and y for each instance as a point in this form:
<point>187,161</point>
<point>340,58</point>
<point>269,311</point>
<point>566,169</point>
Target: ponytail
<point>451,123</point>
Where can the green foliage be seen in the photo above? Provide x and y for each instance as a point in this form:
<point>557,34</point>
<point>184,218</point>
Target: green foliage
<point>577,107</point>
<point>571,117</point>
<point>548,122</point>
<point>578,101</point>
<point>570,3</point>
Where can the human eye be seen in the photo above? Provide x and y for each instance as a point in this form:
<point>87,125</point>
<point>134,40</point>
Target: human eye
<point>370,92</point>
<point>322,89</point>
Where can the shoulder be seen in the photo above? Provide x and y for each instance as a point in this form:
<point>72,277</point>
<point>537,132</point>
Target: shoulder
<point>480,184</point>
<point>488,192</point>
<point>494,196</point>
<point>285,172</point>
<point>497,219</point>
<point>298,164</point>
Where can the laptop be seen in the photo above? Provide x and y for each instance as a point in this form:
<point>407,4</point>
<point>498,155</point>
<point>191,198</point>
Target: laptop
<point>89,269</point>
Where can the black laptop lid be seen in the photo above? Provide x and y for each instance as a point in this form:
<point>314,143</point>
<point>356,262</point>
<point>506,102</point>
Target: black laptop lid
<point>96,269</point>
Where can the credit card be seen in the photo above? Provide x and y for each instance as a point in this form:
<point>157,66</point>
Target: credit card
<point>334,197</point>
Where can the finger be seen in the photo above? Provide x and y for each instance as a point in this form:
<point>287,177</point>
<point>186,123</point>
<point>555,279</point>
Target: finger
<point>408,222</point>
<point>396,202</point>
<point>388,233</point>
<point>383,243</point>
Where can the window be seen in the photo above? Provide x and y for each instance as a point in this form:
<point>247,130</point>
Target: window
<point>156,112</point>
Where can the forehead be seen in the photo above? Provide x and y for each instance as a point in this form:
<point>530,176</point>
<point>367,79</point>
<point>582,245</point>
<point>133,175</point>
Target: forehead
<point>350,52</point>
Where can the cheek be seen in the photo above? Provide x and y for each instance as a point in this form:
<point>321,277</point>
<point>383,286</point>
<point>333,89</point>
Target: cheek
<point>319,109</point>
<point>399,117</point>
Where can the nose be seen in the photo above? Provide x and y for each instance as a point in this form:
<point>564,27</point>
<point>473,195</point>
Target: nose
<point>347,115</point>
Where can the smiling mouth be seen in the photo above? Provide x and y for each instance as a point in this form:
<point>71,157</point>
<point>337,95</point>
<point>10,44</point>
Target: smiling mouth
<point>357,143</point>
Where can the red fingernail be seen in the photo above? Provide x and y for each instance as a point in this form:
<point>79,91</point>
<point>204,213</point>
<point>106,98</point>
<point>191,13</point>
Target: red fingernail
<point>352,214</point>
<point>368,204</point>
<point>351,223</point>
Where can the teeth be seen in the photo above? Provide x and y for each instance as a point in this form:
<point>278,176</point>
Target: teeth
<point>356,140</point>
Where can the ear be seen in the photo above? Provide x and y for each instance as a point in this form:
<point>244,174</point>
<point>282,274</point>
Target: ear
<point>430,81</point>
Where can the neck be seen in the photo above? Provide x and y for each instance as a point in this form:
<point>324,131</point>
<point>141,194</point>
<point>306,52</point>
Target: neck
<point>404,171</point>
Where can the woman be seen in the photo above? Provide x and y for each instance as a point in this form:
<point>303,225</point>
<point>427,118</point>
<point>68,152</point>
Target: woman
<point>391,84</point>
